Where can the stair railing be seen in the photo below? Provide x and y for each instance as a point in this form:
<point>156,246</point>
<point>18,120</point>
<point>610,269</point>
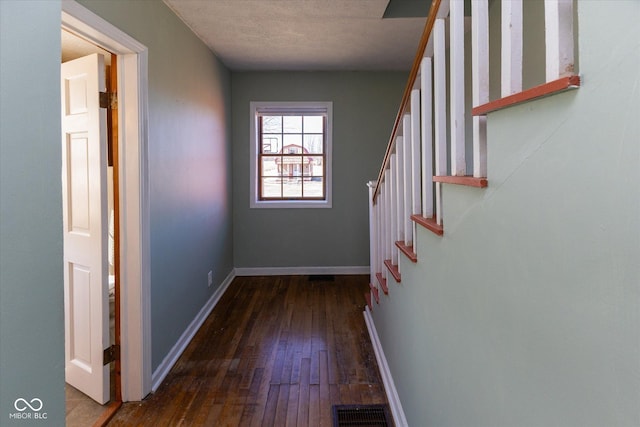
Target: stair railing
<point>428,144</point>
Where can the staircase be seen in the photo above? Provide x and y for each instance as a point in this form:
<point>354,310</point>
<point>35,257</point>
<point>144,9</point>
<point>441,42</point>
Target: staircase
<point>439,137</point>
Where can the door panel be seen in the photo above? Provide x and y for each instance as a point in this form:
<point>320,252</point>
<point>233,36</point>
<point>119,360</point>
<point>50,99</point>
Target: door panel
<point>78,177</point>
<point>80,314</point>
<point>84,188</point>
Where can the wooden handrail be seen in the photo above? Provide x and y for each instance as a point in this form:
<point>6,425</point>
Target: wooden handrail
<point>428,28</point>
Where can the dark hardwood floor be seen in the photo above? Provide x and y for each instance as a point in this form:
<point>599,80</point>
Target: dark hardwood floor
<point>275,351</point>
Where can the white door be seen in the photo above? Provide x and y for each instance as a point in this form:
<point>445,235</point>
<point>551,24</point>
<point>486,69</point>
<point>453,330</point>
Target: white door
<point>84,195</point>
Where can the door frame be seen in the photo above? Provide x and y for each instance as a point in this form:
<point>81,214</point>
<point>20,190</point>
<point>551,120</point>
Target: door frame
<point>135,283</point>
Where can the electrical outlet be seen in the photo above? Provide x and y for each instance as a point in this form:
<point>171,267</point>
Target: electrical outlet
<point>210,278</point>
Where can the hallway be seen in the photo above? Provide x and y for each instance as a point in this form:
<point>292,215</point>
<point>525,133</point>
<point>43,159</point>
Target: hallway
<point>275,351</point>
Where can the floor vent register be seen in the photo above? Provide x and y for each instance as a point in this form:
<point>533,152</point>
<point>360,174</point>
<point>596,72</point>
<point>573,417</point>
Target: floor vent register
<point>361,416</point>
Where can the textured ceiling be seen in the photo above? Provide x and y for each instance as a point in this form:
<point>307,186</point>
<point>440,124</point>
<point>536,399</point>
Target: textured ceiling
<point>304,34</point>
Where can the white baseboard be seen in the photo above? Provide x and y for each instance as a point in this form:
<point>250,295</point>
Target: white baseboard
<point>392,394</point>
<point>161,372</point>
<point>294,271</point>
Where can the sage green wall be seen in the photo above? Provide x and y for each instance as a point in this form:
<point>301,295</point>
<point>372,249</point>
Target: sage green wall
<point>526,312</point>
<point>189,165</point>
<point>31,293</point>
<point>364,108</point>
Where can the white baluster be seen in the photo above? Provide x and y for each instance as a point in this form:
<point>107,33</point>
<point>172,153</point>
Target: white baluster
<point>456,80</point>
<point>400,190</point>
<point>426,95</point>
<point>380,209</point>
<point>406,178</point>
<point>415,164</point>
<point>386,250</point>
<point>379,233</point>
<point>440,93</point>
<point>393,193</point>
<point>511,47</point>
<point>440,108</point>
<point>558,17</point>
<point>443,10</point>
<point>480,82</point>
<point>373,231</point>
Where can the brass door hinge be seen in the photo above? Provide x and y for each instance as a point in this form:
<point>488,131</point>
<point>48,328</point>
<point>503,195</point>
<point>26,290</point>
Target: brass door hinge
<point>111,354</point>
<point>109,100</point>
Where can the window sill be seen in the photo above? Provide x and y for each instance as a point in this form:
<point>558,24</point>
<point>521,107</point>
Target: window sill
<point>290,204</point>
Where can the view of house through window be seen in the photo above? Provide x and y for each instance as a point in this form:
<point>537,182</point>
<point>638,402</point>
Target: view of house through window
<point>292,156</point>
<point>293,146</point>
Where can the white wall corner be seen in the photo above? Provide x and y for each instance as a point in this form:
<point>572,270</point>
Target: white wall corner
<point>390,388</point>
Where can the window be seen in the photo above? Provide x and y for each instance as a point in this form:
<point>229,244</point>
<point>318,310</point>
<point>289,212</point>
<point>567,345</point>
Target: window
<point>291,154</point>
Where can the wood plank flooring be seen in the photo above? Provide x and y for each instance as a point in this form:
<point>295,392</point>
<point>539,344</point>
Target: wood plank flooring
<point>275,351</point>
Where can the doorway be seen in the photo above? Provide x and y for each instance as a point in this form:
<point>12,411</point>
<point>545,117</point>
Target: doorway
<point>91,237</point>
<point>132,185</point>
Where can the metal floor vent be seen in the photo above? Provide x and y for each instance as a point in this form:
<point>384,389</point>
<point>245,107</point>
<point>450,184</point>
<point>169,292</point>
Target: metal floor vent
<point>322,278</point>
<point>361,416</point>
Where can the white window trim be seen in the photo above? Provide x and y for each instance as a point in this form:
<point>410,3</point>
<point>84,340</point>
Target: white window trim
<point>254,201</point>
